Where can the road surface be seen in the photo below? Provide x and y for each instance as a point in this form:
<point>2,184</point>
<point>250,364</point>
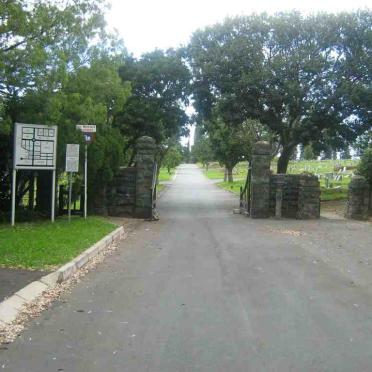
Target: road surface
<point>205,290</point>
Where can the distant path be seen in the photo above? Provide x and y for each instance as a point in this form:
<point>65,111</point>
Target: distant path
<point>206,290</point>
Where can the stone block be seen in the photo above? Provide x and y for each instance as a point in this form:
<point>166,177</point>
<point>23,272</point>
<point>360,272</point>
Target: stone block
<point>32,291</point>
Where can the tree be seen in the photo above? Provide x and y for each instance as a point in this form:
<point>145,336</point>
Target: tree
<point>308,153</point>
<point>345,153</point>
<point>290,72</point>
<point>202,151</point>
<point>365,169</point>
<point>173,158</point>
<point>40,44</point>
<point>233,144</point>
<point>159,82</point>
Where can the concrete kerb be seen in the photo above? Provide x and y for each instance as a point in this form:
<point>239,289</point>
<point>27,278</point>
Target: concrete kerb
<point>12,306</point>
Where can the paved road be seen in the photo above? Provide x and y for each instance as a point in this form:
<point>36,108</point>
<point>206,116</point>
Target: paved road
<point>204,290</point>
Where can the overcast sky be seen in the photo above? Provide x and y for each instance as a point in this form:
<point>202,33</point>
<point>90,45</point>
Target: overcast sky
<point>148,24</point>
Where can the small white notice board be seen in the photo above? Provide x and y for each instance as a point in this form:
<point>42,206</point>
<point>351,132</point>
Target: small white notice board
<point>72,158</point>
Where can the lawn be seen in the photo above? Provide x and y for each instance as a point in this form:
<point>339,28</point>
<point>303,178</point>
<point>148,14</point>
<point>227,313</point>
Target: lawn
<point>46,245</point>
<point>324,168</point>
<point>164,175</point>
<point>325,194</point>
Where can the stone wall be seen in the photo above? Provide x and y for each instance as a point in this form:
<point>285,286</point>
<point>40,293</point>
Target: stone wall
<point>300,196</point>
<point>145,161</point>
<point>122,194</point>
<point>290,187</point>
<point>281,195</point>
<point>260,180</point>
<point>308,197</point>
<point>130,193</point>
<point>358,199</point>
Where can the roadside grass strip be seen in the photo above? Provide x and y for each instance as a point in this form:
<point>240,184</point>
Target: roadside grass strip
<point>46,245</point>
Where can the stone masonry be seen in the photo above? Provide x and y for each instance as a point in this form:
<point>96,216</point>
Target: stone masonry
<point>281,195</point>
<point>358,199</point>
<point>130,191</point>
<point>260,180</point>
<point>145,161</point>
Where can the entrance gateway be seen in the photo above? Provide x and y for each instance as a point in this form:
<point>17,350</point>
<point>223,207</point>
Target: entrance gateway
<point>281,195</point>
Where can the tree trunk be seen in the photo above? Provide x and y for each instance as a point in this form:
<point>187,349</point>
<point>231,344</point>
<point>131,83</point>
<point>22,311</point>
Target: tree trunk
<point>230,174</point>
<point>225,175</point>
<point>284,158</point>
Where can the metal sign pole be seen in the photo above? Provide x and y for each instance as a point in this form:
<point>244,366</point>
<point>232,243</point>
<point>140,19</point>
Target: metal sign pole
<point>14,195</point>
<point>69,197</point>
<point>85,180</point>
<point>53,195</point>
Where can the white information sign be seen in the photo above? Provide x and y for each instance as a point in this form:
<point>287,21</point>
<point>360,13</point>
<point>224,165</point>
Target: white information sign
<point>72,158</point>
<point>35,146</point>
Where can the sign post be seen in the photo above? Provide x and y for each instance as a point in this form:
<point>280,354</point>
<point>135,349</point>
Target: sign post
<point>72,166</point>
<point>89,134</point>
<point>35,147</point>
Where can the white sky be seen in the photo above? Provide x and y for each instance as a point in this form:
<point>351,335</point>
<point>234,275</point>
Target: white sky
<point>148,24</point>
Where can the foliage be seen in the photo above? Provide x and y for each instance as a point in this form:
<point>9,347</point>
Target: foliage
<point>365,165</point>
<point>172,158</point>
<point>202,151</point>
<point>232,144</point>
<point>43,245</point>
<point>160,89</point>
<point>306,78</point>
<point>61,68</point>
<point>308,153</point>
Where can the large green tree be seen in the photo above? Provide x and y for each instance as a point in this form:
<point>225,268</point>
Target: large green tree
<point>160,91</point>
<point>232,144</point>
<point>307,78</point>
<point>42,45</point>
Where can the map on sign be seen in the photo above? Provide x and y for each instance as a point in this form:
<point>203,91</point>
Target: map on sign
<point>35,146</point>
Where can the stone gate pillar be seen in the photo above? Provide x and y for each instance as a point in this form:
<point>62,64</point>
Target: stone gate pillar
<point>260,180</point>
<point>145,160</point>
<point>358,199</point>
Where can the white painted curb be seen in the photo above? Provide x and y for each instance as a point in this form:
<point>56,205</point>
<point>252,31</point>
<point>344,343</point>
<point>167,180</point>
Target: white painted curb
<point>12,306</point>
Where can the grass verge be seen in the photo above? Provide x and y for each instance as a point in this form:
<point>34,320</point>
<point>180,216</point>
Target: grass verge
<point>164,175</point>
<point>46,245</point>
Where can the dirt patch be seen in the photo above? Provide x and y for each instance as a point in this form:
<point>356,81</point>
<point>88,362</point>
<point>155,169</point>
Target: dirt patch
<point>333,209</point>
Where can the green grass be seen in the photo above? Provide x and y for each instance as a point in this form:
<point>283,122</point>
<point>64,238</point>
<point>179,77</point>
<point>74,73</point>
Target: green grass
<point>232,186</point>
<point>325,194</point>
<point>164,175</point>
<point>45,245</point>
<point>337,190</point>
<point>160,187</point>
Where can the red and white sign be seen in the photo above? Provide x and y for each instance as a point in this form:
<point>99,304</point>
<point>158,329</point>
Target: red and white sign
<point>87,128</point>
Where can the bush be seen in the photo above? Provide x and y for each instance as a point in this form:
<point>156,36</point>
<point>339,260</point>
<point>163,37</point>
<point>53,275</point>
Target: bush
<point>365,165</point>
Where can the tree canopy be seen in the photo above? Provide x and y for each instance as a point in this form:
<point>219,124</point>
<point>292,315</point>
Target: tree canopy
<point>306,78</point>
